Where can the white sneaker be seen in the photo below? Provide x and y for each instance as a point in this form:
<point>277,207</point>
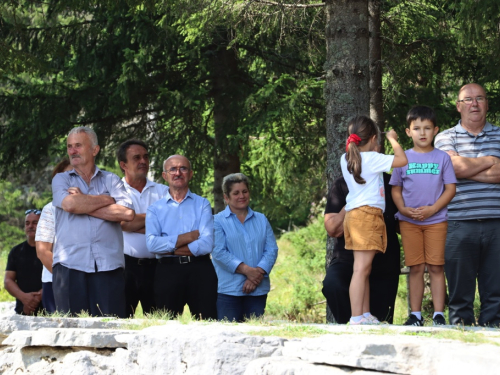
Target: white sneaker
<point>363,321</point>
<point>373,319</point>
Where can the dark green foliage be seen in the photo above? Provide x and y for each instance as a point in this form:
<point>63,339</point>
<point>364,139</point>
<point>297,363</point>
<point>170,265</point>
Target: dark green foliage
<point>153,70</point>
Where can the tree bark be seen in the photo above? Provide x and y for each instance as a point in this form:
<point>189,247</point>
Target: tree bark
<point>347,80</point>
<point>376,94</point>
<point>224,69</point>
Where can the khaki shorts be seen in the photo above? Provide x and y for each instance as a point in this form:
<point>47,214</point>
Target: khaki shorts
<point>423,243</point>
<point>364,229</point>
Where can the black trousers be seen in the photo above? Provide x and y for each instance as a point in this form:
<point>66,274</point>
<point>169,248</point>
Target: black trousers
<point>139,284</point>
<point>98,293</point>
<point>383,290</point>
<point>194,284</point>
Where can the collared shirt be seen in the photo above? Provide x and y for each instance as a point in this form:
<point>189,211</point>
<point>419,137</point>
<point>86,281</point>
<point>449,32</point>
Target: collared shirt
<point>84,242</point>
<point>46,232</point>
<point>166,219</point>
<point>135,243</point>
<point>473,200</point>
<point>251,242</point>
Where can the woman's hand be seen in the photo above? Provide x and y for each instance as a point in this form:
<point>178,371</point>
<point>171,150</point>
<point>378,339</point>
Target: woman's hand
<point>248,287</point>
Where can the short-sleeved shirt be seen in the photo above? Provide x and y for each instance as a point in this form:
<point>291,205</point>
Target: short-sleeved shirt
<point>46,232</point>
<point>473,200</point>
<point>83,242</point>
<point>387,263</point>
<point>28,268</point>
<point>251,242</point>
<point>371,193</point>
<point>423,180</point>
<point>135,243</point>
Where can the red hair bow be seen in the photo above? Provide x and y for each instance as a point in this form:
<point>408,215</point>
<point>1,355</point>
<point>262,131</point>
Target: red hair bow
<point>352,138</point>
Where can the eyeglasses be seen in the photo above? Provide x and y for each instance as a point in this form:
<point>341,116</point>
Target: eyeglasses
<point>34,210</point>
<point>479,99</point>
<point>174,170</point>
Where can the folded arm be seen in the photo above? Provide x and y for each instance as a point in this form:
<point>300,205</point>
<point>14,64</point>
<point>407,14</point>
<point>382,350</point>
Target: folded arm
<point>114,212</point>
<point>78,203</point>
<point>469,167</point>
<point>137,225</point>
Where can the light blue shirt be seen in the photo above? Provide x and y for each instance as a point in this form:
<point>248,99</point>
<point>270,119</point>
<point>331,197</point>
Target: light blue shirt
<point>84,242</point>
<point>166,219</point>
<point>251,242</point>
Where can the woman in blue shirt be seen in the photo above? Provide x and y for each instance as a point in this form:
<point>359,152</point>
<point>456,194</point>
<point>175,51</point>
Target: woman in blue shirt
<point>244,254</point>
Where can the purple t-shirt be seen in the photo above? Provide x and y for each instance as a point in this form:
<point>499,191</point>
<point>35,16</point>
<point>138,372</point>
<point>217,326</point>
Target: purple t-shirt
<point>423,180</point>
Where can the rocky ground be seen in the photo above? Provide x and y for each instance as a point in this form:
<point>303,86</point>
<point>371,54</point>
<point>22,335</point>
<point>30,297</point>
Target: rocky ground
<point>107,346</point>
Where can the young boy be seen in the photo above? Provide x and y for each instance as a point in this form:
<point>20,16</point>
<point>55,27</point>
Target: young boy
<point>421,191</point>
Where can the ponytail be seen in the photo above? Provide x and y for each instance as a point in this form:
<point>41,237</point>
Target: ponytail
<point>353,157</point>
<point>361,130</point>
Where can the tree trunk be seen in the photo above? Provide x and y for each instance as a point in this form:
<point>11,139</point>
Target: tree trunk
<point>347,80</point>
<point>226,158</point>
<point>376,95</point>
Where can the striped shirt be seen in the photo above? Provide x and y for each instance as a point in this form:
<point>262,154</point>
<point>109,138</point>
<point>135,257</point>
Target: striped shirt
<point>473,200</point>
<point>251,242</point>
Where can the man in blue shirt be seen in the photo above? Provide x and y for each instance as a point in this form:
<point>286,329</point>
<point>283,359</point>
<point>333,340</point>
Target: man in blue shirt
<point>179,230</point>
<point>88,254</point>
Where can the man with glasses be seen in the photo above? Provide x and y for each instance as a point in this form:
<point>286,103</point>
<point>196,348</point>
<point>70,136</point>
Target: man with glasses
<point>23,274</point>
<point>88,251</point>
<point>179,230</point>
<point>473,239</point>
<point>140,264</point>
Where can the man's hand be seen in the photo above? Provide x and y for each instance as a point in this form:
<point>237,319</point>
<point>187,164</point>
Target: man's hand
<point>248,287</point>
<point>74,190</point>
<point>31,301</point>
<point>452,153</point>
<point>187,238</point>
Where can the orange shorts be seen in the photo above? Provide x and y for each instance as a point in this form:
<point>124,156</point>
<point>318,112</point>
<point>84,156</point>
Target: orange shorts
<point>364,229</point>
<point>423,243</point>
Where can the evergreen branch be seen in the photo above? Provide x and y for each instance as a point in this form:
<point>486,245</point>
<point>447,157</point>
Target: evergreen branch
<point>273,3</point>
<point>420,41</point>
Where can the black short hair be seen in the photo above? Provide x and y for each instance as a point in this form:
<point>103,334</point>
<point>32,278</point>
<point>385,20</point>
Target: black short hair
<point>121,153</point>
<point>421,112</point>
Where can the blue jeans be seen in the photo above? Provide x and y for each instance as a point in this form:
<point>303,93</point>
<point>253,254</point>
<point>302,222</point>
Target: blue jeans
<point>239,308</point>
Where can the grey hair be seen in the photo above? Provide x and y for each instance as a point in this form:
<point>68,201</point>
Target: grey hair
<point>231,179</point>
<point>85,129</point>
<point>174,156</point>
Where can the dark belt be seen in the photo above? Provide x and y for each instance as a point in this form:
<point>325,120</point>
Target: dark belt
<point>184,259</point>
<point>141,261</point>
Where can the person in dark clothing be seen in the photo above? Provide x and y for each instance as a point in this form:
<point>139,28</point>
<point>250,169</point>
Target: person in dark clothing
<point>385,273</point>
<point>23,274</point>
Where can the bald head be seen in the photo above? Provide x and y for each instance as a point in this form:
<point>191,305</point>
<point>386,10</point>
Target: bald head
<point>471,86</point>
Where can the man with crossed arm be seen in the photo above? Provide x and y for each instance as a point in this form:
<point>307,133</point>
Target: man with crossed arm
<point>473,239</point>
<point>180,231</point>
<point>88,253</point>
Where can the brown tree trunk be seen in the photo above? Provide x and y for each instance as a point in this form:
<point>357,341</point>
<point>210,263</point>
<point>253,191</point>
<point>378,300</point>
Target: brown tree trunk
<point>226,157</point>
<point>376,95</point>
<point>347,80</point>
